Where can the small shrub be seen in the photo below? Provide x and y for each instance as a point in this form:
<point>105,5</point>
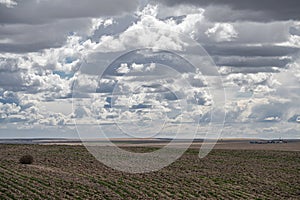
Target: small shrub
<point>27,159</point>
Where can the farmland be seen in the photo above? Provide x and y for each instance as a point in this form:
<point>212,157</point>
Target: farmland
<point>70,172</point>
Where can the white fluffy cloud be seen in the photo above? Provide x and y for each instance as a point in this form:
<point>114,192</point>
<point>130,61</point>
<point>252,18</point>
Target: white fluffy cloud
<point>257,62</point>
<point>221,32</point>
<point>144,32</point>
<point>8,3</point>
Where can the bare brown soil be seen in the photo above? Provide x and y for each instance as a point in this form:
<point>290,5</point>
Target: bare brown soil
<point>70,172</point>
<point>230,144</point>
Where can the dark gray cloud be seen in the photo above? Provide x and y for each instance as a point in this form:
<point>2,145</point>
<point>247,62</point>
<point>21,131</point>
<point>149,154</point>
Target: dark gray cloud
<point>34,37</point>
<point>257,10</point>
<point>35,12</point>
<point>23,48</point>
<point>249,70</point>
<point>251,61</point>
<point>34,25</point>
<point>240,49</point>
<point>9,97</point>
<point>295,30</point>
<point>295,118</point>
<point>12,81</point>
<point>250,51</point>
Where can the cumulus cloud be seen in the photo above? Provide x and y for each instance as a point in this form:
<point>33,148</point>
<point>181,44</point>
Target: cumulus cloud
<point>222,32</point>
<point>8,3</point>
<point>258,63</point>
<point>123,69</point>
<point>17,108</point>
<point>144,32</point>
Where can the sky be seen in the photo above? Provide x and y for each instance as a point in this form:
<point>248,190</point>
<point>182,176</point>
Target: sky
<point>147,68</point>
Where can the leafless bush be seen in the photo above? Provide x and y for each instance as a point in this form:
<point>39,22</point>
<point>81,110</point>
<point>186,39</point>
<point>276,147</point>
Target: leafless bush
<point>26,159</point>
